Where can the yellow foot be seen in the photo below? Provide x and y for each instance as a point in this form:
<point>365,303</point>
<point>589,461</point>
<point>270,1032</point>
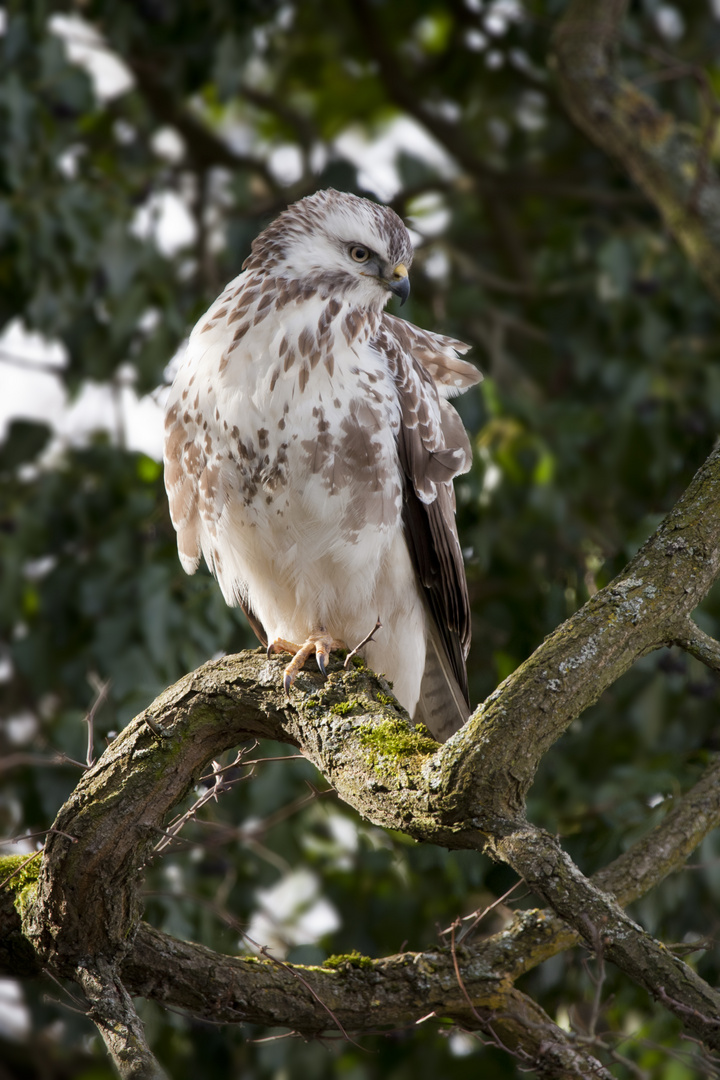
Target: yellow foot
<point>320,643</point>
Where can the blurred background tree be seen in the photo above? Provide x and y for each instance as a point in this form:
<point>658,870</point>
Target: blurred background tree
<point>142,148</point>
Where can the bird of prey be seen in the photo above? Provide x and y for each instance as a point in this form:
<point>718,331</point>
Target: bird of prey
<point>310,450</point>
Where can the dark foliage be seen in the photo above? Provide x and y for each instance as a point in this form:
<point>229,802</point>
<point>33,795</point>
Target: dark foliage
<point>601,397</point>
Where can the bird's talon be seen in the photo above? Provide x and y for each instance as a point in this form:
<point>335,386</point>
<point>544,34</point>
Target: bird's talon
<point>287,682</point>
<point>321,664</point>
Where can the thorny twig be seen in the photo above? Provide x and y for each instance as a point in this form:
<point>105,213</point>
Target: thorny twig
<point>253,761</point>
<point>478,916</point>
<point>212,793</point>
<point>219,785</point>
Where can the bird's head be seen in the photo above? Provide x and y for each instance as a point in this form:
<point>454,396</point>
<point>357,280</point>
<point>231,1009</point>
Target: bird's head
<point>351,247</point>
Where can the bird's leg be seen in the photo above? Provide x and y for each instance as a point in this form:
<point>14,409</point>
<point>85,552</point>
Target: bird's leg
<point>297,662</point>
<point>321,643</point>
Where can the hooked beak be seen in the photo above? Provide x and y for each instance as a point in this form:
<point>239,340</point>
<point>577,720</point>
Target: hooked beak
<point>399,284</point>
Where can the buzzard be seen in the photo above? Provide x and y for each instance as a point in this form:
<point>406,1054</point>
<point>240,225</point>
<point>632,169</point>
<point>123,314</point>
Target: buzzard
<point>310,450</point>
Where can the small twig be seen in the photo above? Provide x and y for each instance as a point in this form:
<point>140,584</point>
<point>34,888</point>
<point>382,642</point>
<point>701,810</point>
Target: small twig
<point>687,1009</point>
<point>32,835</point>
<point>630,1065</point>
<point>365,641</point>
<point>461,984</point>
<point>13,761</point>
<point>238,762</point>
<point>153,727</point>
<point>686,948</point>
<point>276,1038</point>
<point>710,1061</point>
<point>48,999</point>
<point>598,979</point>
<point>101,692</point>
<point>79,1007</point>
<point>212,793</point>
<point>518,1054</point>
<point>478,916</point>
<point>274,757</point>
<point>20,867</point>
<point>260,827</point>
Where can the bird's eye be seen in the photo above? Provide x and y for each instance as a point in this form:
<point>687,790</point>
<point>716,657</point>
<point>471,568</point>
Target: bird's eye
<point>359,253</point>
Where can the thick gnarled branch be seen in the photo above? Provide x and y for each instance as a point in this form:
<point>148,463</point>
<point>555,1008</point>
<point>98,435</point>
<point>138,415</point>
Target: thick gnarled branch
<point>493,759</point>
<point>467,793</point>
<point>197,980</point>
<point>597,916</point>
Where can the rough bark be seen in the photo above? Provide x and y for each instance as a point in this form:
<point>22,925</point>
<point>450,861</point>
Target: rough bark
<point>111,1007</point>
<point>81,918</point>
<point>192,978</point>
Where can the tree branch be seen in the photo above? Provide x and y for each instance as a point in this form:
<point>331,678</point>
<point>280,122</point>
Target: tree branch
<point>534,936</point>
<point>400,89</point>
<point>366,996</point>
<point>114,1014</point>
<point>531,938</point>
<point>669,165</point>
<point>700,645</point>
<point>450,794</point>
<point>395,991</point>
<point>596,915</point>
<point>467,793</point>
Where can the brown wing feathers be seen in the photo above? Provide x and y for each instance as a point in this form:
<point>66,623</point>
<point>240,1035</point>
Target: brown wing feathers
<point>430,530</point>
<point>437,559</point>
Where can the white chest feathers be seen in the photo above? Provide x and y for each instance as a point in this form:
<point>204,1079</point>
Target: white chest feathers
<point>282,445</point>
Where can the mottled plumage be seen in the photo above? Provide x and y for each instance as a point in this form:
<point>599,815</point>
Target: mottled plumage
<point>310,452</point>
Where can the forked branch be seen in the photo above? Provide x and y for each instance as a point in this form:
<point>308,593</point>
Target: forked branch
<point>465,794</point>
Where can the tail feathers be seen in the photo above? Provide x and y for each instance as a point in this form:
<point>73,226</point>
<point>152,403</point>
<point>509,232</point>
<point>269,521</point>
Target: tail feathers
<point>442,707</point>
